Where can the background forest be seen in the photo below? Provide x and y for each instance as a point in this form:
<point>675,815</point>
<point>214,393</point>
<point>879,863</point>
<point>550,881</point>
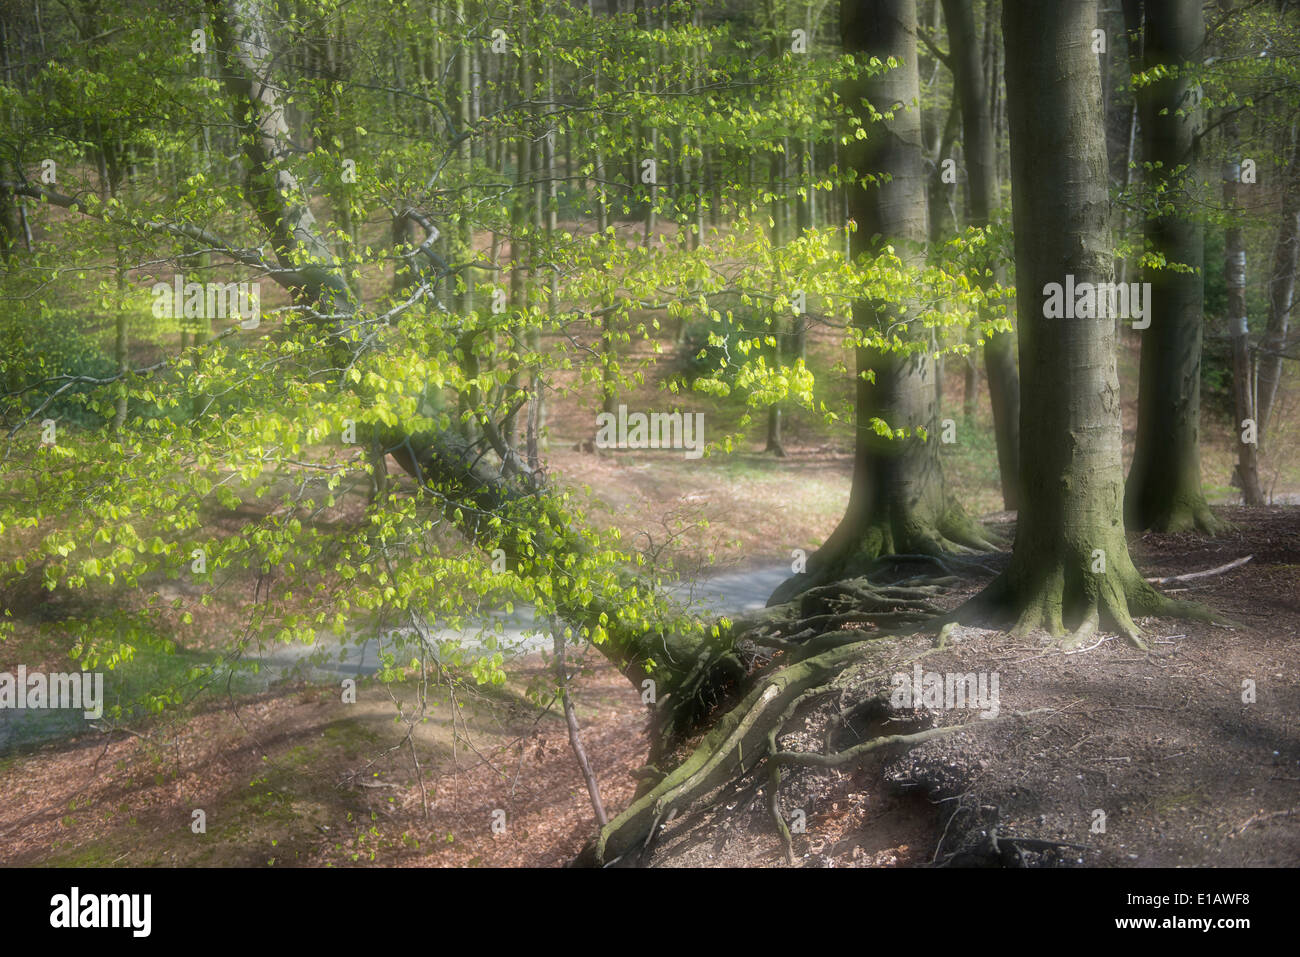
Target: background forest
<point>326,328</point>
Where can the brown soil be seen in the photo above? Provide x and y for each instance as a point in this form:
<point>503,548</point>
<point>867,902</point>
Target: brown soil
<point>1184,771</point>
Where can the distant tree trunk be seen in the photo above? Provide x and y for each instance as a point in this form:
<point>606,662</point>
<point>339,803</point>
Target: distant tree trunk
<point>11,227</point>
<point>774,444</point>
<point>652,191</point>
<point>970,388</point>
<point>1163,491</point>
<point>403,241</point>
<point>519,229</point>
<point>778,169</point>
<point>1071,564</point>
<point>1281,289</point>
<point>544,224</point>
<point>980,148</point>
<point>774,431</point>
<point>465,93</point>
<point>943,221</point>
<point>120,353</point>
<point>608,349</point>
<point>1133,13</point>
<point>1234,271</point>
<point>897,500</point>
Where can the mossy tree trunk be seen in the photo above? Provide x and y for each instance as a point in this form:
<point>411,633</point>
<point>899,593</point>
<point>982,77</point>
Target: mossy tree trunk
<point>1164,484</point>
<point>1071,565</point>
<point>897,501</point>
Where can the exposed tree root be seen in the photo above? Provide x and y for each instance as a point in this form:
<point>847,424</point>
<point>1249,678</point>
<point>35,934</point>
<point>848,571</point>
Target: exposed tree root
<point>745,735</point>
<point>818,619</point>
<point>1047,597</point>
<point>815,651</point>
<point>774,797</point>
<point>737,743</point>
<point>948,536</point>
<point>822,760</point>
<point>743,739</point>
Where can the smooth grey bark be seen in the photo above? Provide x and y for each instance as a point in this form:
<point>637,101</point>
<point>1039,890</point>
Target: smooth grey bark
<point>1246,475</point>
<point>1281,290</point>
<point>1163,491</point>
<point>464,116</point>
<point>1070,565</point>
<point>897,501</point>
<point>980,150</point>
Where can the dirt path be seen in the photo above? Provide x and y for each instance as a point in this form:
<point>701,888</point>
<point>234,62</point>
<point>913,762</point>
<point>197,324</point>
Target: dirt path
<point>332,659</point>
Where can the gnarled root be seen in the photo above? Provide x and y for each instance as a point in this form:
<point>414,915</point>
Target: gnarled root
<point>1048,597</point>
<point>949,535</point>
<point>738,742</point>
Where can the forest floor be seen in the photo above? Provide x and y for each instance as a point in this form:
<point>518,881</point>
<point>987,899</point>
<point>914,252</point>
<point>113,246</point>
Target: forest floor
<point>1184,771</point>
<point>1134,759</point>
<point>1162,744</point>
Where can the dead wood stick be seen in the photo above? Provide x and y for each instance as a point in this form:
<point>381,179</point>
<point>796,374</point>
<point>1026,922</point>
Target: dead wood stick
<point>1205,574</point>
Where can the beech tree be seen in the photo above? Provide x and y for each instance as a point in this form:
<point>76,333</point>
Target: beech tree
<point>898,502</point>
<point>326,384</point>
<point>1164,482</point>
<point>512,138</point>
<point>1070,566</point>
<point>975,88</point>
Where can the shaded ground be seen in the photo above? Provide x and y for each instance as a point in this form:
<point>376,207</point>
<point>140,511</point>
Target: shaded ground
<point>1184,772</point>
<point>296,777</point>
<point>1162,744</point>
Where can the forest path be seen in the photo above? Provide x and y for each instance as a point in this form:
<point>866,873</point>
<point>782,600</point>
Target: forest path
<point>729,593</point>
<point>330,660</point>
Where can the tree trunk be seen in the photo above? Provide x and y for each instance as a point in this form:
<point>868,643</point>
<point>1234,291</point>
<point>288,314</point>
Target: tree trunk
<point>465,93</point>
<point>1281,290</point>
<point>897,501</point>
<point>780,234</point>
<point>1071,564</point>
<point>120,353</point>
<point>1163,491</point>
<point>980,151</point>
<point>1234,271</point>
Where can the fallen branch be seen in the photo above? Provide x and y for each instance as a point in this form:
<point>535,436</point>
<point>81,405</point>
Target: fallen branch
<point>1261,818</point>
<point>1205,574</point>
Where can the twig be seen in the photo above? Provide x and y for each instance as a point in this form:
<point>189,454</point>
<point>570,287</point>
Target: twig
<point>571,719</point>
<point>1205,574</point>
<point>1259,818</point>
